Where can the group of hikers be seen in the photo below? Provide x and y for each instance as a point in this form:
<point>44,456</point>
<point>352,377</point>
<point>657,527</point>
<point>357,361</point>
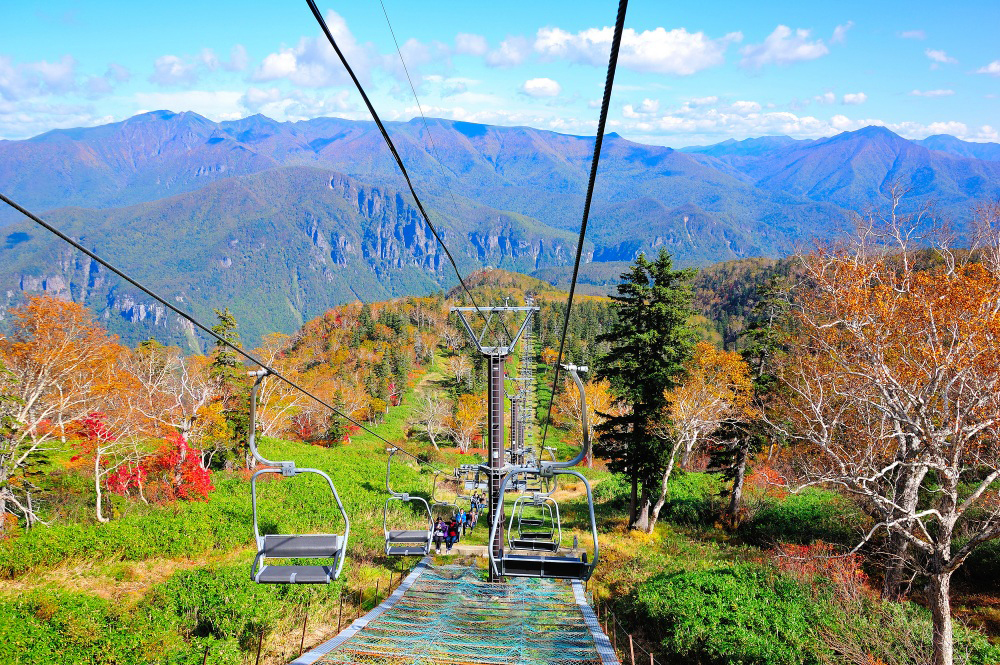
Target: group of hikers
<point>449,533</point>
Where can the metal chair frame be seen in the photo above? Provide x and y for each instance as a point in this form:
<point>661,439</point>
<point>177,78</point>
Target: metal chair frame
<point>540,566</point>
<point>401,534</point>
<point>325,546</point>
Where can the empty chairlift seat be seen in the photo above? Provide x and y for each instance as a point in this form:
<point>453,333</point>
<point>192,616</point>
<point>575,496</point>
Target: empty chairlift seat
<point>405,542</point>
<point>328,546</point>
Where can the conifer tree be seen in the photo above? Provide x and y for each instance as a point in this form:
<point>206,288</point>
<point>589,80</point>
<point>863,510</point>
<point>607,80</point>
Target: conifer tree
<point>741,439</point>
<point>649,343</point>
<point>229,373</point>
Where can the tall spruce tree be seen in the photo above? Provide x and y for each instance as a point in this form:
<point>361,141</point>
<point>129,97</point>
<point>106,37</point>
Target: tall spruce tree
<point>739,440</point>
<point>229,373</point>
<point>649,342</point>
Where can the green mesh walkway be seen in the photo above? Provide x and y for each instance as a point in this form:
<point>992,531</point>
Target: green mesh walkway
<point>449,615</point>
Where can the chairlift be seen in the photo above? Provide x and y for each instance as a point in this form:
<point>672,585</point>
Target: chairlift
<point>471,477</point>
<point>291,546</point>
<point>557,563</point>
<point>405,542</point>
<point>543,533</point>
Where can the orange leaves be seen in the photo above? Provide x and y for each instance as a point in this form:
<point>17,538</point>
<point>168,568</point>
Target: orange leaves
<point>468,419</point>
<point>66,365</point>
<point>717,387</point>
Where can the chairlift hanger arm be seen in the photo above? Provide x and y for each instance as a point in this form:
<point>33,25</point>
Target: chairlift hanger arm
<point>584,422</point>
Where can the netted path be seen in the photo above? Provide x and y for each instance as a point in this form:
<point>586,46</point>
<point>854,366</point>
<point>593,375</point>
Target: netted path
<point>448,614</point>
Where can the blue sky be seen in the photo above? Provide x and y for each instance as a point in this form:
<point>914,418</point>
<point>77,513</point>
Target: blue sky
<point>690,73</point>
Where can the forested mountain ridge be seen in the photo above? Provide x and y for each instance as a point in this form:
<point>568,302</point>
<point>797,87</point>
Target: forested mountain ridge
<point>277,248</point>
<point>247,213</point>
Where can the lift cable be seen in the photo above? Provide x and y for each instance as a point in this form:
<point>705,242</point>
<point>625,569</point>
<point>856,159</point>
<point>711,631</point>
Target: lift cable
<point>392,148</point>
<point>599,140</point>
<point>430,137</point>
<point>48,227</point>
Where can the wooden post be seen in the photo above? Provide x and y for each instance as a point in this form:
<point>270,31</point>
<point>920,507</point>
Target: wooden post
<point>340,614</point>
<point>361,599</point>
<point>305,619</point>
<point>376,593</point>
<point>260,643</point>
<point>631,648</point>
<point>614,639</point>
<point>204,660</point>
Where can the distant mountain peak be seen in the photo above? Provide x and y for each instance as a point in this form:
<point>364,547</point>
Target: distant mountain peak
<point>874,131</point>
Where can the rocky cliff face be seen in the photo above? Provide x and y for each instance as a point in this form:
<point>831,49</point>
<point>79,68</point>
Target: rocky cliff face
<point>274,247</point>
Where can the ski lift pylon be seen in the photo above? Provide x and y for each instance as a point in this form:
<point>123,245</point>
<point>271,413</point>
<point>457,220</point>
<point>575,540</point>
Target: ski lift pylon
<point>573,565</point>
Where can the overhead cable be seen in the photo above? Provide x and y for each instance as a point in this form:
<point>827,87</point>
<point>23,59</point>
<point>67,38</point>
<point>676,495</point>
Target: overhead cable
<point>395,154</point>
<point>602,122</point>
<point>184,315</point>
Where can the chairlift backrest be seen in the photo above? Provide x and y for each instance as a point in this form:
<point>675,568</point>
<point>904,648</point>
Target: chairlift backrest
<point>289,546</point>
<point>405,542</point>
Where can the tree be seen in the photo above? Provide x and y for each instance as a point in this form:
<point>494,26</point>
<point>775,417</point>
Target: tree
<point>277,401</point>
<point>468,420</point>
<point>649,344</point>
<point>433,414</point>
<point>172,388</point>
<point>15,484</point>
<point>893,396</point>
<point>460,366</point>
<point>737,439</point>
<point>229,374</point>
<point>600,403</point>
<point>716,388</point>
<point>62,367</point>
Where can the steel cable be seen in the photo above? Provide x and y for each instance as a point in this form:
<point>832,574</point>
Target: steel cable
<point>48,227</point>
<point>605,103</point>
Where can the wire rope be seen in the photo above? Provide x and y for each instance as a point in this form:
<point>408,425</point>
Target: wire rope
<point>599,141</point>
<point>195,322</point>
<point>430,136</point>
<point>395,153</point>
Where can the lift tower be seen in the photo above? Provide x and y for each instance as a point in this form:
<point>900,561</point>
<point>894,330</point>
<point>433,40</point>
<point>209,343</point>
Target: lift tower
<point>495,356</point>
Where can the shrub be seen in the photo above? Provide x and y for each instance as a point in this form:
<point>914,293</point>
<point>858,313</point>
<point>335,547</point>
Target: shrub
<point>803,518</point>
<point>744,614</point>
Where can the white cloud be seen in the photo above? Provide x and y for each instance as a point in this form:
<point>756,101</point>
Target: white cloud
<point>939,56</point>
<point>645,109</point>
<point>313,63</point>
<point>296,104</point>
<point>993,69</point>
<point>541,87</point>
<point>24,80</point>
<point>97,86</point>
<point>913,34</point>
<point>703,101</point>
<point>840,33</point>
<point>24,118</point>
<point>783,47</point>
<point>854,98</point>
<point>744,107</point>
<point>677,52</point>
<point>415,54</point>
<point>172,70</point>
<point>932,93</point>
<point>511,52</point>
<point>238,59</point>
<point>208,59</point>
<point>56,77</point>
<point>468,44</point>
<point>826,98</point>
<point>214,104</point>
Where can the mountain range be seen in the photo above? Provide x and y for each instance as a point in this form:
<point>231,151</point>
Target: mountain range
<point>279,220</point>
